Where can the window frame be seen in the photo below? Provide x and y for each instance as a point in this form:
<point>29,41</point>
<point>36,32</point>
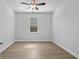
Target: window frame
<point>34,24</point>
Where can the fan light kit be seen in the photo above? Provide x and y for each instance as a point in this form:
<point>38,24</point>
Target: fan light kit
<point>34,4</point>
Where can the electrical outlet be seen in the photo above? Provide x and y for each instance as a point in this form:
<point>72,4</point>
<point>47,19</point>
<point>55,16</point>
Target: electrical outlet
<point>1,43</point>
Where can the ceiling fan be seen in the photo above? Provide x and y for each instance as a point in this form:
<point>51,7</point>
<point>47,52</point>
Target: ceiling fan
<point>34,4</point>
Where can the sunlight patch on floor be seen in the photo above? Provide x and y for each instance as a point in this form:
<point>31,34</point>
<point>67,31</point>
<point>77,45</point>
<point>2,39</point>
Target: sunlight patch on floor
<point>30,46</point>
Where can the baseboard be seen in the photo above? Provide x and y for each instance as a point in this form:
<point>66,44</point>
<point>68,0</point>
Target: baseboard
<point>32,41</point>
<point>68,50</point>
<point>4,48</point>
<point>77,56</point>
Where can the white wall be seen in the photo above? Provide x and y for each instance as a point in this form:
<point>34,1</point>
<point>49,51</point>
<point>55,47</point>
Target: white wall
<point>22,27</point>
<point>65,26</point>
<point>7,26</point>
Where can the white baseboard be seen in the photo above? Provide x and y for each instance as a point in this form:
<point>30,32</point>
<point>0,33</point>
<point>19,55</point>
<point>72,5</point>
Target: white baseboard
<point>33,41</point>
<point>68,50</point>
<point>77,56</point>
<point>4,48</point>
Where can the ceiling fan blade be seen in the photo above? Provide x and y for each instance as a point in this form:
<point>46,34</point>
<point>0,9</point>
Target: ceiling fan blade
<point>36,8</point>
<point>28,7</point>
<point>41,4</point>
<point>25,3</point>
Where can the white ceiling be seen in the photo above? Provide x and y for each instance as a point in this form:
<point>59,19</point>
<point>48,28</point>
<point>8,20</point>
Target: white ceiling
<point>50,5</point>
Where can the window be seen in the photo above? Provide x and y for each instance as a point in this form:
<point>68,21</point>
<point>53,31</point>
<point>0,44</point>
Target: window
<point>33,24</point>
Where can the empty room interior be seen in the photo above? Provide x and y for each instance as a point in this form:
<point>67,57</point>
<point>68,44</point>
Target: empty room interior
<point>39,29</point>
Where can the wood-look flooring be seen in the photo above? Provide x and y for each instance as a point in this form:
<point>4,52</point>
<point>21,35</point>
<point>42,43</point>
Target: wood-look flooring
<point>0,56</point>
<point>35,51</point>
